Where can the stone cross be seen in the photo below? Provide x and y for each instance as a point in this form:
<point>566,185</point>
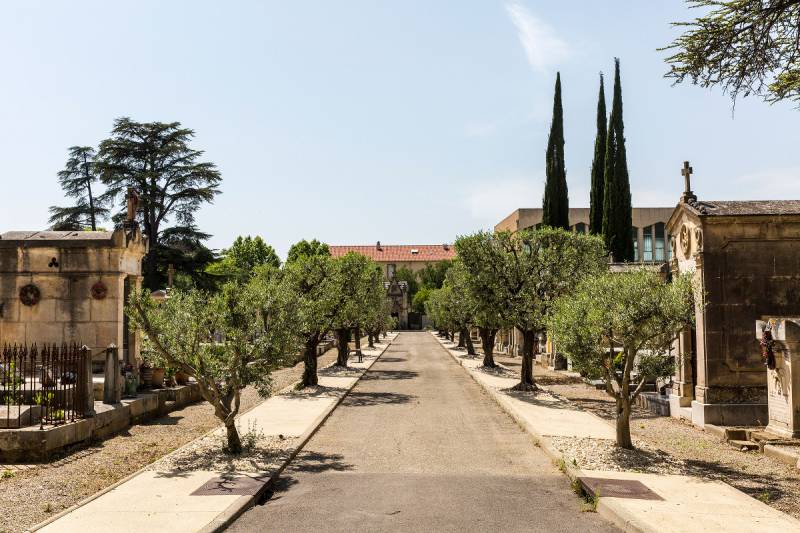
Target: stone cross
<point>686,172</point>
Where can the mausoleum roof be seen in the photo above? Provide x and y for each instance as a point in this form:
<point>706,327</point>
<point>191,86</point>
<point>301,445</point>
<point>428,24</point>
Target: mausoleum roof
<point>57,236</point>
<point>745,208</point>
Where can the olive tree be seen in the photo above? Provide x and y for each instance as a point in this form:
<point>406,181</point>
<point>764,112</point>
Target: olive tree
<point>226,341</point>
<point>521,274</point>
<point>359,293</point>
<point>620,326</point>
<point>459,304</point>
<point>308,281</point>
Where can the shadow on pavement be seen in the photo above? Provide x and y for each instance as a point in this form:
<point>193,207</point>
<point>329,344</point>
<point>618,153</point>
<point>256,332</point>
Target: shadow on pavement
<point>390,374</point>
<point>365,399</point>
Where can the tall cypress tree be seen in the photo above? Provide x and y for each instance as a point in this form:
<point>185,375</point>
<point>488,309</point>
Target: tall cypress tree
<point>598,166</point>
<point>556,201</point>
<point>617,223</point>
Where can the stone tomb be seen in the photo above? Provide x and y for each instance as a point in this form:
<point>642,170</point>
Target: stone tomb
<point>745,257</point>
<point>783,381</point>
<point>70,286</point>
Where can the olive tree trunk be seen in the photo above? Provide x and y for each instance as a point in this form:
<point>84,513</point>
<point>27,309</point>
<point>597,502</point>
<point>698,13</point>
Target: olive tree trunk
<point>234,442</point>
<point>624,423</point>
<point>310,362</point>
<point>487,342</point>
<point>461,339</point>
<point>529,341</point>
<point>343,348</point>
<point>470,346</point>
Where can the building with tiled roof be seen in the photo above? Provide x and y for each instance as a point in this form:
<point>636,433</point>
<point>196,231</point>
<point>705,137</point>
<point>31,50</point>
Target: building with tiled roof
<point>394,256</point>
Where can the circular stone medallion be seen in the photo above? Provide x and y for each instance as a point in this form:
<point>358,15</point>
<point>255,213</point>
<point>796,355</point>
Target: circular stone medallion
<point>99,290</point>
<point>30,295</point>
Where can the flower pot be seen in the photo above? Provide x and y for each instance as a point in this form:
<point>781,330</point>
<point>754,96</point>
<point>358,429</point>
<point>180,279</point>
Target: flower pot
<point>169,381</point>
<point>146,377</point>
<point>182,378</point>
<point>158,377</point>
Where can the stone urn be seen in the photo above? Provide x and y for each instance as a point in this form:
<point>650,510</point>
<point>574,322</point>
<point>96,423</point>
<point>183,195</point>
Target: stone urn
<point>182,378</point>
<point>158,377</point>
<point>146,376</point>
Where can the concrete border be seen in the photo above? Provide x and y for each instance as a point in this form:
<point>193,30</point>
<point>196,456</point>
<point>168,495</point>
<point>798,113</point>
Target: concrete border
<point>228,512</point>
<point>244,503</point>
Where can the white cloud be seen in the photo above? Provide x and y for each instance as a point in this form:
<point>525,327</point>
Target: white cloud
<point>489,202</point>
<point>542,46</point>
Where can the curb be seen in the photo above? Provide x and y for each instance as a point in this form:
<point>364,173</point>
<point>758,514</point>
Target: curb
<point>618,517</point>
<point>239,507</point>
<point>304,440</point>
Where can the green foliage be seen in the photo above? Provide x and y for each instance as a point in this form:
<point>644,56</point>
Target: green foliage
<point>616,324</point>
<point>617,224</point>
<point>432,275</point>
<point>226,341</point>
<point>241,259</point>
<point>743,46</point>
<point>358,288</point>
<point>453,306</point>
<point>598,165</point>
<point>306,248</point>
<point>555,209</point>
<point>418,302</point>
<point>77,179</point>
<point>408,275</point>
<point>156,160</point>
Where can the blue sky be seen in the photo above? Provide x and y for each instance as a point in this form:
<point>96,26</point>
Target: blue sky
<point>357,121</point>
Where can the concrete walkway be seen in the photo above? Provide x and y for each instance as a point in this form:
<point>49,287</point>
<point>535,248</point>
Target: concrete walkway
<point>163,501</point>
<point>418,446</point>
<point>686,504</point>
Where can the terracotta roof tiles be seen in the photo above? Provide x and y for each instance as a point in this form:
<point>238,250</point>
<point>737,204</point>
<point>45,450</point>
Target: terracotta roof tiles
<point>399,253</point>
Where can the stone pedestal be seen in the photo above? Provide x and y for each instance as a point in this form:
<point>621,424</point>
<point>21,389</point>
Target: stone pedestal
<point>783,382</point>
<point>112,387</point>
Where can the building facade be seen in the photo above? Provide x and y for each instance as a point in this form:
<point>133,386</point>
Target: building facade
<point>393,257</point>
<point>651,242</point>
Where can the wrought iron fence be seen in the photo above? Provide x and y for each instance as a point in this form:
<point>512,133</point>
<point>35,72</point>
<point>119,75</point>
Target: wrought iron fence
<point>47,385</point>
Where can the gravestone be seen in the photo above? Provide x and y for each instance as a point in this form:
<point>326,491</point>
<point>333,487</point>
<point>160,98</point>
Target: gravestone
<point>781,354</point>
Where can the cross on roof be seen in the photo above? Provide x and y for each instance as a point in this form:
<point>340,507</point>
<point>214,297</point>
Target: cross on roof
<point>686,172</point>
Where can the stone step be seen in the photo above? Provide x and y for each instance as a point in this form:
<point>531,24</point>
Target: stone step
<point>743,445</point>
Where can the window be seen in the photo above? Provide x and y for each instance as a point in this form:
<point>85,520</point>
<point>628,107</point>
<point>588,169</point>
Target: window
<point>660,242</point>
<point>648,244</point>
<point>580,227</point>
<point>390,270</point>
<point>635,237</point>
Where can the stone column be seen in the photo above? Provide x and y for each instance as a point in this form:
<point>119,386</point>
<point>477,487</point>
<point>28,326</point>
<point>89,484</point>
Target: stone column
<point>86,376</point>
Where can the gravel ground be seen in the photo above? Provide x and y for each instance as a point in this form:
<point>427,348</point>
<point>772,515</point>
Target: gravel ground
<point>672,446</point>
<point>32,493</point>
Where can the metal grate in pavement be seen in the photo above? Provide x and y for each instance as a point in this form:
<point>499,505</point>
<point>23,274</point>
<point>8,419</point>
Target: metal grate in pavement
<point>617,488</point>
<point>231,485</point>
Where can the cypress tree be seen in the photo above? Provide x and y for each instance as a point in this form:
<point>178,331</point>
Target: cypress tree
<point>556,202</point>
<point>598,166</point>
<point>617,223</point>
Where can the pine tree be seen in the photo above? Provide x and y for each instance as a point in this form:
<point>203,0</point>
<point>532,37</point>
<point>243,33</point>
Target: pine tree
<point>617,225</point>
<point>598,165</point>
<point>556,201</point>
<point>76,180</point>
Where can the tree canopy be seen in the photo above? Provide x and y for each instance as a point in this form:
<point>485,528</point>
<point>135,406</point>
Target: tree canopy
<point>555,205</point>
<point>519,276</point>
<point>240,260</point>
<point>618,323</point>
<point>743,46</point>
<point>306,248</point>
<point>78,179</point>
<point>156,160</point>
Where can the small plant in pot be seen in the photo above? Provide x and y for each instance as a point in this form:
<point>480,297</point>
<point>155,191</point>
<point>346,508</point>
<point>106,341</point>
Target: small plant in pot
<point>169,377</point>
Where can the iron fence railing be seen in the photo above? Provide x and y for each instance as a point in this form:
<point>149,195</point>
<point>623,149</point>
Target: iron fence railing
<point>47,385</point>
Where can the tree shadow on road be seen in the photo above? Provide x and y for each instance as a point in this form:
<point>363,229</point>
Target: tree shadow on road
<point>390,374</point>
<point>365,399</point>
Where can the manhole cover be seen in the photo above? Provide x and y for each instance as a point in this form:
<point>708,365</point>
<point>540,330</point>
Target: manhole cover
<point>229,485</point>
<point>618,488</point>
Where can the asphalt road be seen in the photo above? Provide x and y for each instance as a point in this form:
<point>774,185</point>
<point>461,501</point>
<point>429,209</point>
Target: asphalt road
<point>418,446</point>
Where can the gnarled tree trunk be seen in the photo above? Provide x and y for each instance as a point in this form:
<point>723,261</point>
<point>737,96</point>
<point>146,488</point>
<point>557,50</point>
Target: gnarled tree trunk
<point>343,348</point>
<point>461,339</point>
<point>234,442</point>
<point>470,346</point>
<point>487,342</point>
<point>529,341</point>
<point>310,362</point>
<point>624,423</point>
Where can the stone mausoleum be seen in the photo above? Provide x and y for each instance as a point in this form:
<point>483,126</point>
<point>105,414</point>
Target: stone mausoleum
<point>745,259</point>
<point>70,286</point>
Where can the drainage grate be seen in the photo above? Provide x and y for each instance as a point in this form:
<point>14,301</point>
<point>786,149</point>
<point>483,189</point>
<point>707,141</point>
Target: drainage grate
<point>230,485</point>
<point>618,488</point>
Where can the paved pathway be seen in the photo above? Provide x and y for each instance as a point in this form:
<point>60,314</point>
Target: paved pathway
<point>418,445</point>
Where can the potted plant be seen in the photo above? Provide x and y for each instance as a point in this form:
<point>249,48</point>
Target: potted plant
<point>158,377</point>
<point>169,377</point>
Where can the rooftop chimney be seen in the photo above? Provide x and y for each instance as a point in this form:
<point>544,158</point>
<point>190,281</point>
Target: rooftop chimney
<point>446,246</point>
<point>378,245</point>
